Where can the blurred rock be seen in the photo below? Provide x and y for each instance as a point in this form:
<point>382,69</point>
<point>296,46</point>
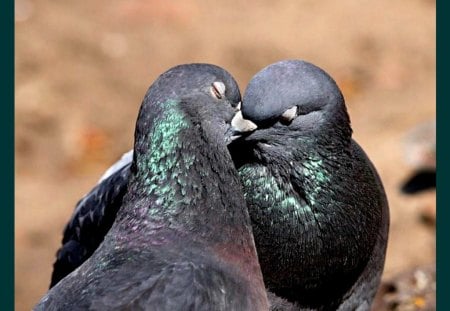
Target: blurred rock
<point>419,181</point>
<point>420,154</point>
<point>428,215</point>
<point>420,146</point>
<point>408,291</point>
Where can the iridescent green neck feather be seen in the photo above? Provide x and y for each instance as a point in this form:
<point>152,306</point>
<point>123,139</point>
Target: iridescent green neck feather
<point>162,172</point>
<point>163,164</point>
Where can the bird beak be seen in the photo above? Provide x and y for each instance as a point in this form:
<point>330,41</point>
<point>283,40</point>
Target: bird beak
<point>239,125</point>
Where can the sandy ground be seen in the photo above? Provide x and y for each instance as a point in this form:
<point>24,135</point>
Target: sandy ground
<point>82,69</point>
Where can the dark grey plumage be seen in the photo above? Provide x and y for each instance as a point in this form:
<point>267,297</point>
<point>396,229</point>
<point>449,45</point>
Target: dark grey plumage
<point>318,208</point>
<point>93,217</point>
<point>182,238</point>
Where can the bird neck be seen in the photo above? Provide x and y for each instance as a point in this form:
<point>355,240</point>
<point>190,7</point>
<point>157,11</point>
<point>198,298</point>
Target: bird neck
<point>183,182</point>
<point>291,181</point>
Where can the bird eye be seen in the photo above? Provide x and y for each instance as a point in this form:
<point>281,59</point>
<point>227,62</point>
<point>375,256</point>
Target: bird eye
<point>218,89</point>
<point>289,115</point>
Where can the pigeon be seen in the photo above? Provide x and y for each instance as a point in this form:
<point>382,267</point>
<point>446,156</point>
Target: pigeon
<point>181,239</point>
<point>318,208</point>
<point>95,213</point>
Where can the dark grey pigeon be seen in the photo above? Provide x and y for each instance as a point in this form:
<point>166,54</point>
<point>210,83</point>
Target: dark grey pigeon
<point>318,208</point>
<point>95,213</point>
<point>181,239</point>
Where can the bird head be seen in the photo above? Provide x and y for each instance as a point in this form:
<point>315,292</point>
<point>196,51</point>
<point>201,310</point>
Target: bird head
<point>294,99</point>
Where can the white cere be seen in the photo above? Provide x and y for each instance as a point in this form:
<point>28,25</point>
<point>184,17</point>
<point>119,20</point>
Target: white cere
<point>289,114</point>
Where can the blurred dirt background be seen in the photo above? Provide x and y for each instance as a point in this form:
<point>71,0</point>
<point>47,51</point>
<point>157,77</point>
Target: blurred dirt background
<point>82,69</point>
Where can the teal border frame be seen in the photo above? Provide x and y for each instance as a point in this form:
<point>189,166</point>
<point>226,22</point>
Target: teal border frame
<point>443,156</point>
<point>7,155</point>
